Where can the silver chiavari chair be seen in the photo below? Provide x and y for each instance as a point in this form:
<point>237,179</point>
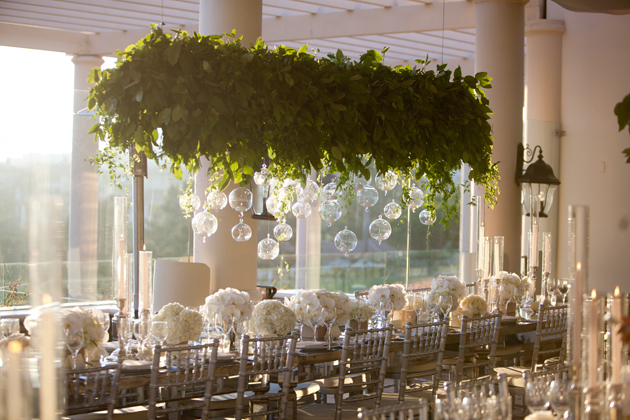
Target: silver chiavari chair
<point>186,380</point>
<point>261,359</point>
<point>418,410</point>
<point>92,389</point>
<point>422,356</point>
<point>477,333</point>
<point>551,333</point>
<point>475,399</point>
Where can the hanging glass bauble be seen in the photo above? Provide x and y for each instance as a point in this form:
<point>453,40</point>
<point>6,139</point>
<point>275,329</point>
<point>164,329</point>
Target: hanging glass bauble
<point>291,183</point>
<point>241,199</point>
<point>241,232</point>
<point>204,223</point>
<point>426,218</point>
<point>262,178</point>
<point>217,200</point>
<point>301,209</point>
<point>283,232</point>
<point>387,181</point>
<point>268,249</point>
<point>392,210</point>
<point>416,198</point>
<point>380,229</point>
<point>284,193</point>
<point>330,210</point>
<point>330,191</point>
<point>189,201</point>
<point>346,241</point>
<point>272,206</point>
<point>310,192</point>
<point>367,197</point>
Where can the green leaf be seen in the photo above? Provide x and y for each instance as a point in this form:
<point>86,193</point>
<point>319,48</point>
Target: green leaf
<point>303,49</point>
<point>336,152</point>
<point>95,75</point>
<point>288,79</point>
<point>338,107</point>
<point>177,114</point>
<point>172,53</point>
<point>247,58</point>
<point>177,172</point>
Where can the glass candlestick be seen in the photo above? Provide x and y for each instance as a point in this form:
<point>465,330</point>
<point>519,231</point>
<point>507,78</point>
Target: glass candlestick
<point>615,398</point>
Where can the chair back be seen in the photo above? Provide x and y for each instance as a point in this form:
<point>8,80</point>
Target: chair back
<point>486,396</point>
<point>262,358</point>
<point>417,410</point>
<point>551,333</point>
<point>423,348</point>
<point>361,295</point>
<point>543,378</point>
<point>364,357</point>
<point>188,373</point>
<point>185,282</point>
<point>92,389</point>
<point>478,333</point>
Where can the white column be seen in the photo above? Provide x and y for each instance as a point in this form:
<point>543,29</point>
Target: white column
<point>543,74</point>
<point>308,248</point>
<point>232,264</point>
<point>83,190</point>
<point>499,50</point>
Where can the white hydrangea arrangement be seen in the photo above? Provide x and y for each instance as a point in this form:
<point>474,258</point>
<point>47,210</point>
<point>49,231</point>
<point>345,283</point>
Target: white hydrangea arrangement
<point>183,324</point>
<point>447,286</point>
<point>387,296</point>
<point>94,335</point>
<point>229,303</point>
<point>272,318</point>
<point>512,279</point>
<point>474,305</point>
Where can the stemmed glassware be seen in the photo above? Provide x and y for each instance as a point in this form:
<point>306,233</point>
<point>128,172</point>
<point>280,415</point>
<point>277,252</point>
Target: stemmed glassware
<point>159,331</point>
<point>445,304</point>
<point>535,393</point>
<point>506,294</point>
<point>329,317</point>
<point>420,305</point>
<point>127,327</point>
<point>74,342</point>
<point>493,296</point>
<point>559,397</point>
<point>563,287</point>
<point>142,333</point>
<point>552,290</point>
<point>522,297</point>
<point>433,305</point>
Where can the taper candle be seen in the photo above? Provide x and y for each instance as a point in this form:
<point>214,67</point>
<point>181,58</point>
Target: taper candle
<point>121,269</point>
<point>14,394</point>
<point>546,252</point>
<point>48,350</point>
<point>144,260</point>
<point>592,340</point>
<point>616,338</point>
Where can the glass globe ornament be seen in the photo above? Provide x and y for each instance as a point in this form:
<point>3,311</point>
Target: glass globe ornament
<point>392,210</point>
<point>205,224</point>
<point>426,218</point>
<point>291,183</point>
<point>272,207</point>
<point>367,197</point>
<point>262,178</point>
<point>301,209</point>
<point>330,211</point>
<point>310,192</point>
<point>387,181</point>
<point>189,201</point>
<point>217,200</point>
<point>416,198</point>
<point>268,249</point>
<point>283,232</point>
<point>241,199</point>
<point>241,232</point>
<point>380,229</point>
<point>346,241</point>
<point>330,191</point>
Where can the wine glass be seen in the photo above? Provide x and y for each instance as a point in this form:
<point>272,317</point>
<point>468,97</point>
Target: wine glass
<point>420,305</point>
<point>534,394</point>
<point>127,329</point>
<point>74,342</point>
<point>159,331</point>
<point>433,304</point>
<point>551,288</point>
<point>142,333</point>
<point>563,287</point>
<point>329,316</point>
<point>522,297</point>
<point>445,304</point>
<point>493,296</point>
<point>14,326</point>
<point>506,293</point>
<point>559,397</point>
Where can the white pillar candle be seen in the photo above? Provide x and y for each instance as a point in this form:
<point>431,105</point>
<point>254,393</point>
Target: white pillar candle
<point>576,332</point>
<point>14,381</point>
<point>122,289</point>
<point>592,340</point>
<point>534,247</point>
<point>616,339</point>
<point>547,252</point>
<point>145,261</point>
<point>47,347</point>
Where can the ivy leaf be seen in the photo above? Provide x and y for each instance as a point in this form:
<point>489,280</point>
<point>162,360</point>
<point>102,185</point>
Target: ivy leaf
<point>288,79</point>
<point>336,152</point>
<point>172,53</point>
<point>247,58</point>
<point>303,49</point>
<point>338,107</point>
<point>95,75</point>
<point>177,114</point>
<point>177,172</point>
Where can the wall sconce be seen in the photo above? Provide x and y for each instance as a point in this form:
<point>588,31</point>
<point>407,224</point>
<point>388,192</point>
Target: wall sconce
<point>538,179</point>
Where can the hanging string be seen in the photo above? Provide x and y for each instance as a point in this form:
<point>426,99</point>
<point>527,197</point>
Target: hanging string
<point>162,20</point>
<point>443,13</point>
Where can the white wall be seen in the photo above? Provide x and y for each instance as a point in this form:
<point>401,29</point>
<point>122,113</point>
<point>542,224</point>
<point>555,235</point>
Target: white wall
<point>593,172</point>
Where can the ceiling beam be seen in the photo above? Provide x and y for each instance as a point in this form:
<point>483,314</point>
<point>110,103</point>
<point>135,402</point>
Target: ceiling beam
<point>458,15</point>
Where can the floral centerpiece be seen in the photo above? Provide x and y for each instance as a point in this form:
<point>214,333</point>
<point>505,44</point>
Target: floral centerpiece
<point>230,304</point>
<point>474,305</point>
<point>305,304</point>
<point>387,297</point>
<point>272,318</point>
<point>94,335</point>
<point>447,286</point>
<point>361,311</point>
<point>341,301</point>
<point>512,279</point>
<point>182,324</point>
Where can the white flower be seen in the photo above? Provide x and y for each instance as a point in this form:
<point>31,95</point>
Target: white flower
<point>182,324</point>
<point>229,303</point>
<point>272,318</point>
<point>387,296</point>
<point>474,305</point>
<point>93,332</point>
<point>447,286</point>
